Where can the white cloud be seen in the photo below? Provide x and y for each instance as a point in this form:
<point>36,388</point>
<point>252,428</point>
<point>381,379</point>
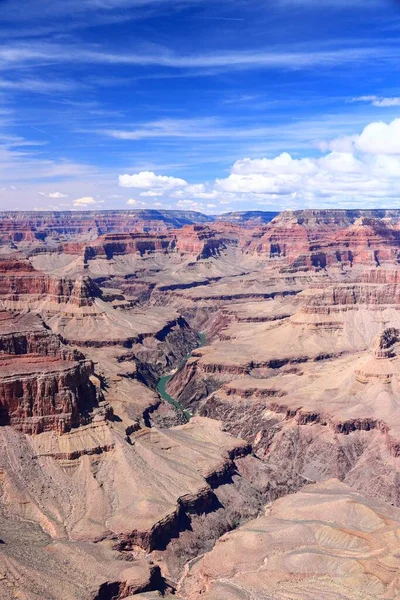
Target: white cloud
<point>39,85</point>
<point>257,183</point>
<point>54,195</point>
<point>151,194</point>
<point>281,164</point>
<point>165,128</point>
<point>149,180</point>
<point>213,195</point>
<point>284,57</point>
<point>379,101</point>
<point>85,201</point>
<point>358,170</point>
<point>340,162</point>
<point>380,138</point>
<point>133,202</point>
<point>190,205</point>
<point>344,143</point>
<point>376,138</point>
<point>368,172</point>
<point>197,191</point>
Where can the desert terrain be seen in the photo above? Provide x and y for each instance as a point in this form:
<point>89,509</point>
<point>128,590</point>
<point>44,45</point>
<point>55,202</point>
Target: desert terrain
<point>200,407</point>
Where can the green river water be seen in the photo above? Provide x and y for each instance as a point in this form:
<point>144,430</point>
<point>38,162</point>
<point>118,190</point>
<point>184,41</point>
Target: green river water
<point>163,381</point>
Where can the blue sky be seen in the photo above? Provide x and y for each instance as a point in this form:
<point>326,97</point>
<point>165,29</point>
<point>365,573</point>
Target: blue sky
<point>197,104</point>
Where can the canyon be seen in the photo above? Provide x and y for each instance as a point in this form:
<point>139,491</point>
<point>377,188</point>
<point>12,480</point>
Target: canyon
<point>269,465</point>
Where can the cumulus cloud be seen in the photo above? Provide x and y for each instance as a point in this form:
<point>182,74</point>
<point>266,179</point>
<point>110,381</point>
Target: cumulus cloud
<point>151,194</point>
<point>154,186</point>
<point>337,175</point>
<point>380,138</point>
<point>376,138</point>
<point>358,170</point>
<point>85,201</point>
<point>198,191</point>
<point>134,202</point>
<point>188,204</point>
<point>149,180</point>
<point>54,195</point>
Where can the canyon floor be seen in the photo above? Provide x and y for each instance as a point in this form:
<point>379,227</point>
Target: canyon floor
<point>198,407</point>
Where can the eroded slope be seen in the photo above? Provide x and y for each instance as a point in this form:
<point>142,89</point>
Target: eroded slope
<point>298,382</point>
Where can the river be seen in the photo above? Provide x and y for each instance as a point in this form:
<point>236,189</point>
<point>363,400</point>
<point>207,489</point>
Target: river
<point>163,381</point>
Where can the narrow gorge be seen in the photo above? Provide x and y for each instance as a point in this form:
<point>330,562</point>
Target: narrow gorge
<point>164,380</point>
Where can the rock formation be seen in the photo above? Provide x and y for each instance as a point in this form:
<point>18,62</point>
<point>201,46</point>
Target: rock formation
<point>43,384</point>
<point>164,377</point>
<point>323,542</point>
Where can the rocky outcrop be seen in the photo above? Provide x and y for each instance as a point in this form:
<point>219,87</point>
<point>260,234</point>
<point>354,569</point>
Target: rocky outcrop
<point>111,245</point>
<point>201,241</point>
<point>320,418</point>
<point>247,218</point>
<point>43,385</point>
<point>171,494</point>
<point>19,281</point>
<point>23,287</point>
<point>193,383</point>
<point>35,566</point>
<point>169,347</point>
<point>353,295</point>
<point>306,240</point>
<point>39,393</point>
<point>84,292</point>
<point>26,333</point>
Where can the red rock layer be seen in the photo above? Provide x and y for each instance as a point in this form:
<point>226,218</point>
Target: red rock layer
<point>26,334</point>
<point>201,241</point>
<point>20,281</point>
<point>110,245</point>
<point>28,226</point>
<point>41,393</point>
<point>43,384</point>
<point>307,241</point>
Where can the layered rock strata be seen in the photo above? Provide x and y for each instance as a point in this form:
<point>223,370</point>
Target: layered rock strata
<point>43,384</point>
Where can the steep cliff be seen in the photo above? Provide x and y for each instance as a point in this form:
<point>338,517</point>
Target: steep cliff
<point>43,384</point>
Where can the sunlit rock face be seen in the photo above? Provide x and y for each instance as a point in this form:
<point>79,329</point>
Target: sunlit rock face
<point>44,385</point>
<point>319,543</point>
